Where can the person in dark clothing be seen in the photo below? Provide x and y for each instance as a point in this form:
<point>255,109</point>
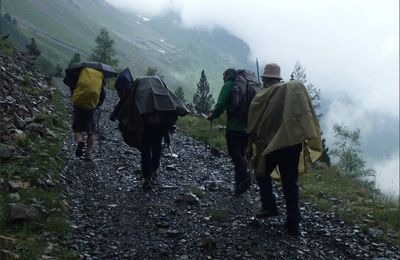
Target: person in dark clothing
<point>282,124</point>
<point>236,136</point>
<point>154,130</point>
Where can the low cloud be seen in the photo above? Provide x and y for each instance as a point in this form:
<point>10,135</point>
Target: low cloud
<point>388,175</point>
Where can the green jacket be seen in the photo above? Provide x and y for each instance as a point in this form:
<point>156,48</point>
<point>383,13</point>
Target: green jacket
<point>223,104</point>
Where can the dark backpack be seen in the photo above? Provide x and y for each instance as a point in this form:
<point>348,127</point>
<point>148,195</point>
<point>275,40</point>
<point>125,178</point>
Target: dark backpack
<point>244,89</point>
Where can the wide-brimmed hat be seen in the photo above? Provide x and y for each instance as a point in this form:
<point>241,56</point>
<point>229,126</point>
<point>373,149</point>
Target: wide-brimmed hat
<point>272,70</point>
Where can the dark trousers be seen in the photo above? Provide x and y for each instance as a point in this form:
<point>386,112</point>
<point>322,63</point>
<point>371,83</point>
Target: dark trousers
<point>151,148</point>
<point>287,159</point>
<point>237,143</point>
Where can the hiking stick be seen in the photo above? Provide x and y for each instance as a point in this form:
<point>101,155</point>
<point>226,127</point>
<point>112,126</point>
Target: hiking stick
<point>98,130</point>
<point>210,135</point>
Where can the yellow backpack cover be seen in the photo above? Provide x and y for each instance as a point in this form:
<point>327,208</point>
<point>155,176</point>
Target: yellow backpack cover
<point>86,94</point>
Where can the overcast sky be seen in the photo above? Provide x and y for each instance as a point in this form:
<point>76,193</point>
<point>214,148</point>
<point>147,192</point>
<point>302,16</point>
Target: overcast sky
<point>349,48</point>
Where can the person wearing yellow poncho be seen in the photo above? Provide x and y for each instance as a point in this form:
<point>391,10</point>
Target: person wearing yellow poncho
<point>284,128</point>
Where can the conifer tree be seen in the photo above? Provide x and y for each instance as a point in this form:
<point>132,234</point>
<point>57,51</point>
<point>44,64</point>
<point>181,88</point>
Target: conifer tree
<point>104,52</point>
<point>75,58</point>
<point>179,92</point>
<point>58,71</point>
<point>154,72</point>
<point>33,49</point>
<point>203,99</point>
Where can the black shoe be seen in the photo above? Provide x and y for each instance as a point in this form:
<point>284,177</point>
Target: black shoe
<point>147,185</point>
<point>154,181</point>
<point>243,186</point>
<point>79,149</point>
<point>292,230</point>
<point>265,213</point>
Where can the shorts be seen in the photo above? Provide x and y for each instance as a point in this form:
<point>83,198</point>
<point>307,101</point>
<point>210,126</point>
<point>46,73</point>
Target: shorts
<point>83,121</point>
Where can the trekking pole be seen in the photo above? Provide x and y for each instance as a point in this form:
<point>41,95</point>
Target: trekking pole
<point>98,130</point>
<point>210,135</point>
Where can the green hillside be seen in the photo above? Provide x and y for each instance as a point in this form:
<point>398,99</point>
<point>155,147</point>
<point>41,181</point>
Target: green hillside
<point>63,27</point>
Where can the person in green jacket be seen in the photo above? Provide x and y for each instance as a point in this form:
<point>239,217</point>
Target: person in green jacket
<point>236,136</point>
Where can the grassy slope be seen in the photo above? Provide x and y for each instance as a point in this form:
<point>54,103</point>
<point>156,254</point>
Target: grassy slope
<point>45,156</point>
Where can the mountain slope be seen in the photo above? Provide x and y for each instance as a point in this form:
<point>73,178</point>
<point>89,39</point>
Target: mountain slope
<point>63,27</point>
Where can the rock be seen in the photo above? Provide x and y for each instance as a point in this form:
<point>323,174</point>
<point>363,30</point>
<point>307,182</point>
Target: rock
<point>50,133</point>
<point>14,196</point>
<point>22,212</point>
<point>17,134</point>
<point>17,185</point>
<point>375,232</point>
<point>7,243</point>
<point>36,128</point>
<point>7,151</point>
<point>20,123</point>
<point>8,255</point>
<point>172,233</point>
<point>183,257</point>
<point>171,167</point>
<point>189,199</point>
<point>11,100</point>
<point>208,243</point>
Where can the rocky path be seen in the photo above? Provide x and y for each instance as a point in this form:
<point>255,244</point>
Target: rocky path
<point>113,218</point>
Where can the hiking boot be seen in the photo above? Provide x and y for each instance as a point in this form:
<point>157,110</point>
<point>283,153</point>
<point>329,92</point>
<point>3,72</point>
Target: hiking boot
<point>292,230</point>
<point>266,213</point>
<point>88,155</point>
<point>147,185</point>
<point>154,181</point>
<point>79,149</point>
<point>243,186</point>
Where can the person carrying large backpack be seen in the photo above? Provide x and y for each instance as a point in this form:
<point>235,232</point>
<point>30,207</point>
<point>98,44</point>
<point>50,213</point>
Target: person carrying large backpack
<point>229,100</point>
<point>87,95</point>
<point>146,112</point>
<point>285,132</point>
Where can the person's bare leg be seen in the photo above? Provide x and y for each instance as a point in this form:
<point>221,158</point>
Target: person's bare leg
<point>90,143</point>
<point>78,137</point>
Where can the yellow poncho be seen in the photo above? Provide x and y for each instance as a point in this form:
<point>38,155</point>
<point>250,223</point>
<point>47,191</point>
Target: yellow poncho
<point>280,116</point>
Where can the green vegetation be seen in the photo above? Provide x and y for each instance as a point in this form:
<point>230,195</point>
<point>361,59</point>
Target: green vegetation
<point>104,51</point>
<point>203,99</point>
<point>218,214</point>
<point>7,47</point>
<point>32,48</point>
<point>42,161</point>
<point>196,191</point>
<point>179,93</point>
<point>347,150</point>
<point>199,128</point>
<point>154,72</point>
<point>75,58</point>
<point>351,199</point>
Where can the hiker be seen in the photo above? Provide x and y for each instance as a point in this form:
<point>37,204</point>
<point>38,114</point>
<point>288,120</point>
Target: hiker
<point>147,113</point>
<point>236,137</point>
<point>83,117</point>
<point>283,125</point>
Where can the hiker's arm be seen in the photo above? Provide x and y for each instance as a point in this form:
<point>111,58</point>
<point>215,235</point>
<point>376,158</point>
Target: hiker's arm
<point>223,100</point>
